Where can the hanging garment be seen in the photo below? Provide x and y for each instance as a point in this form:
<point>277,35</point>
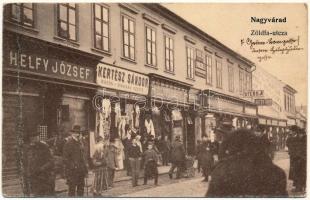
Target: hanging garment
<point>120,153</point>
<point>129,112</point>
<point>117,114</point>
<point>106,107</point>
<point>176,115</point>
<point>101,124</point>
<point>137,109</point>
<point>149,127</point>
<point>121,128</point>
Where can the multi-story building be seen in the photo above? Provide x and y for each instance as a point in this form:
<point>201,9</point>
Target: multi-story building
<point>59,57</point>
<point>276,107</point>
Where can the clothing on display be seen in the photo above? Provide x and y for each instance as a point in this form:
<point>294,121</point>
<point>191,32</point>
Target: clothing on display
<point>120,153</point>
<point>106,107</point>
<point>117,110</point>
<point>137,111</point>
<point>149,127</point>
<point>121,127</point>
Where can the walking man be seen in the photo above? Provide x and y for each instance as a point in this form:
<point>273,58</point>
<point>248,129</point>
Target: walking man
<point>177,157</point>
<point>75,163</point>
<point>134,154</point>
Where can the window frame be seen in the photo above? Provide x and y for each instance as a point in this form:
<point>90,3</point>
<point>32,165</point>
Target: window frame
<point>102,6</point>
<point>192,60</point>
<point>209,69</point>
<point>241,81</point>
<point>169,50</point>
<point>153,62</point>
<point>219,74</point>
<point>21,18</point>
<point>58,21</point>
<point>200,60</point>
<point>230,78</point>
<point>123,15</point>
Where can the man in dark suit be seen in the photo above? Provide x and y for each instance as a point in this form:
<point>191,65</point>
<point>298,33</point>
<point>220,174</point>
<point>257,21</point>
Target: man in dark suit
<point>75,163</point>
<point>40,168</point>
<point>177,157</point>
<point>246,170</point>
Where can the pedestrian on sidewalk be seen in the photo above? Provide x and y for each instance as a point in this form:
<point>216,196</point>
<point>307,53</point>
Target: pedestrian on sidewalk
<point>165,150</point>
<point>206,157</point>
<point>40,168</point>
<point>246,171</point>
<point>150,164</point>
<point>134,154</point>
<point>177,157</point>
<point>100,167</point>
<point>76,167</point>
<point>112,160</point>
<point>198,155</point>
<point>292,143</point>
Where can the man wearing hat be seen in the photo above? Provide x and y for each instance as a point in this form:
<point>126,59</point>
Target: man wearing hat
<point>223,132</point>
<point>75,163</point>
<point>40,168</point>
<point>177,157</point>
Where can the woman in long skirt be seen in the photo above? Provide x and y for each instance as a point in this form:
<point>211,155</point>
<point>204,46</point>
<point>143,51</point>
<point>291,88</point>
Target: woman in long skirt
<point>100,169</point>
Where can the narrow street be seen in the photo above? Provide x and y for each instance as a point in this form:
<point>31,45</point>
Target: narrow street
<point>185,187</point>
<point>196,188</point>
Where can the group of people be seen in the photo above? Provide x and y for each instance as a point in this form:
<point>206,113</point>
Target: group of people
<point>240,164</point>
<point>297,149</point>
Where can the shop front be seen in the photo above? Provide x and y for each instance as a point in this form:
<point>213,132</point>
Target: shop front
<point>46,89</point>
<point>171,115</point>
<point>222,109</point>
<point>121,101</point>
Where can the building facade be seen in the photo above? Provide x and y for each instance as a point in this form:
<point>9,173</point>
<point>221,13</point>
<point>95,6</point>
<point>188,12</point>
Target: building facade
<point>66,63</point>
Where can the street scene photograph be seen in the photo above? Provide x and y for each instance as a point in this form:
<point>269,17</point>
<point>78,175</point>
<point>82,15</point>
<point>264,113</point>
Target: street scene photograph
<point>117,99</point>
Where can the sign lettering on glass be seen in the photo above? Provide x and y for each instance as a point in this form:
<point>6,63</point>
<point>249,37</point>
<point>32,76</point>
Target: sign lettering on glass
<point>121,79</point>
<point>49,66</point>
<point>169,92</point>
<point>254,93</point>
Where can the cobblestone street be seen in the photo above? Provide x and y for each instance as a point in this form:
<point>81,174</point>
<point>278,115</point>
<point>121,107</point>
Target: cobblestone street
<point>185,187</point>
<point>196,188</point>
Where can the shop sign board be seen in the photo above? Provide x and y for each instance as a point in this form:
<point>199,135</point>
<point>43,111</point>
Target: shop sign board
<point>217,103</point>
<point>282,123</point>
<point>263,102</point>
<point>170,92</point>
<point>250,110</point>
<point>269,122</point>
<point>275,122</point>
<point>254,93</point>
<point>40,64</point>
<point>120,79</point>
<point>262,121</point>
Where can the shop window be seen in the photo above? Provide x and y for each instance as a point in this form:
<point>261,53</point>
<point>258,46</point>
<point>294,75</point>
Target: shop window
<point>169,54</point>
<point>66,21</point>
<point>101,27</point>
<point>22,13</point>
<point>218,66</point>
<point>150,46</point>
<point>209,69</point>
<point>190,62</point>
<point>128,29</point>
<point>230,78</point>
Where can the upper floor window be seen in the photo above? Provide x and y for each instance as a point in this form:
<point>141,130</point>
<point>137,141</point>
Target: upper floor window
<point>218,66</point>
<point>22,13</point>
<point>101,26</point>
<point>241,79</point>
<point>200,68</point>
<point>248,81</point>
<point>150,46</point>
<point>190,62</point>
<point>209,69</point>
<point>230,78</point>
<point>169,54</point>
<point>66,19</point>
<point>128,29</point>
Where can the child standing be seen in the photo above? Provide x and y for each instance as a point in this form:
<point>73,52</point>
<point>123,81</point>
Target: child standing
<point>150,164</point>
